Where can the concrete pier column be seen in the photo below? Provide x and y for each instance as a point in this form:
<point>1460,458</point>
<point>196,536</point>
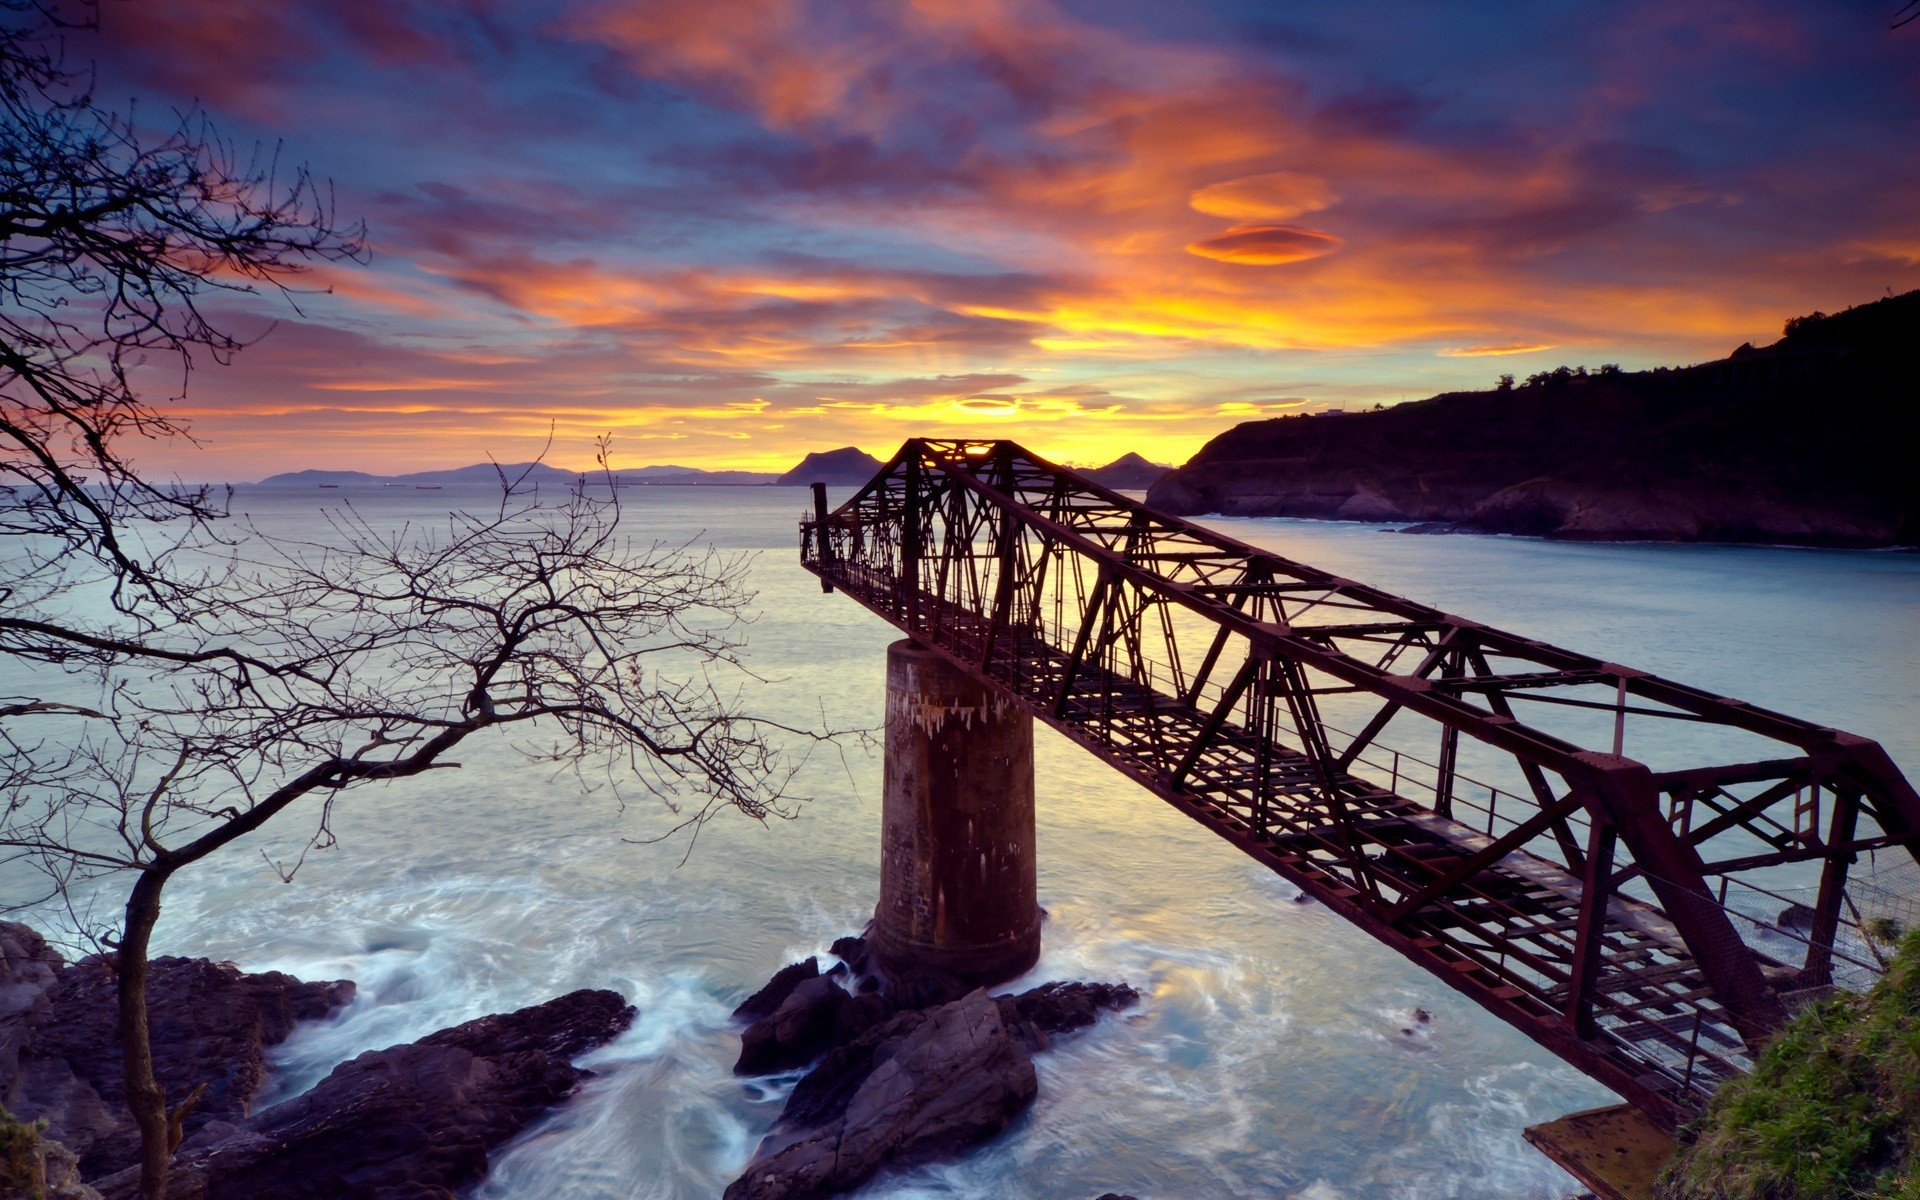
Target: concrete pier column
<point>957,856</point>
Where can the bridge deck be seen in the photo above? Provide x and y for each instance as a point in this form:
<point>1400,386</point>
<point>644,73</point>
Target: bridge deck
<point>1533,913</point>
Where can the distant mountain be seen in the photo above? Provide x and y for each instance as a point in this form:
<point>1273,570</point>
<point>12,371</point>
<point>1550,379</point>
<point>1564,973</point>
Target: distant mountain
<point>320,479</point>
<point>486,474</point>
<point>848,466</point>
<point>1128,472</point>
<point>1808,441</point>
<point>692,477</point>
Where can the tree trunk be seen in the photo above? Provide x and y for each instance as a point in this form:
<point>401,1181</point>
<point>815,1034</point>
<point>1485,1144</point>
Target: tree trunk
<point>144,1097</point>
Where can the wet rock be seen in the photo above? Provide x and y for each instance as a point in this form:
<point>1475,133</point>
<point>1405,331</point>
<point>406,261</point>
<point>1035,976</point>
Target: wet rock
<point>211,1024</point>
<point>822,1095</point>
<point>768,999</point>
<point>412,1121</point>
<point>1062,1007</point>
<point>1796,918</point>
<point>859,1015</point>
<point>799,1031</point>
<point>939,1081</point>
<point>561,1028</point>
<point>923,987</point>
<point>853,952</point>
<point>914,1070</point>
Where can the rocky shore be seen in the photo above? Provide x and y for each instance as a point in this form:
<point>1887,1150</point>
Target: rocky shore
<point>906,1070</point>
<point>1799,443</point>
<point>899,1071</point>
<point>415,1120</point>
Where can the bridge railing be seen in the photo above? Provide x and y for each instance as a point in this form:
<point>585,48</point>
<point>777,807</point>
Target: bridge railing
<point>1526,857</point>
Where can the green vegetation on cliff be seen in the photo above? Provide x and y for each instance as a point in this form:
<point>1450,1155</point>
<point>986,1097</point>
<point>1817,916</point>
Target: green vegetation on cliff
<point>1831,1111</point>
<point>22,1173</point>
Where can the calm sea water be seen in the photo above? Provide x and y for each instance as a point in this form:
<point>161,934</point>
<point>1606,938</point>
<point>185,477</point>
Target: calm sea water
<point>1268,1059</point>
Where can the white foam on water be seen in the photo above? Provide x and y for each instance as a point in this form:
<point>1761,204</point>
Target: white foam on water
<point>1266,1059</point>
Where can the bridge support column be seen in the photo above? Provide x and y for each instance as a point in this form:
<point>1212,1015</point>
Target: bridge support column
<point>957,855</point>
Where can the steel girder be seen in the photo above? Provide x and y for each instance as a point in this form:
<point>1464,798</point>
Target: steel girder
<point>1581,895</point>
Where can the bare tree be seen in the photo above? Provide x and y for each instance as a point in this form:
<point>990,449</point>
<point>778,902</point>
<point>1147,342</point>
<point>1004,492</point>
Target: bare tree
<point>171,688</point>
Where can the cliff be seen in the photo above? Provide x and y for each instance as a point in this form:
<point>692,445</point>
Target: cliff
<point>1808,441</point>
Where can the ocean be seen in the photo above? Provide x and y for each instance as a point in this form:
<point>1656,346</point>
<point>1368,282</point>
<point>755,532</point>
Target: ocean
<point>1270,1057</point>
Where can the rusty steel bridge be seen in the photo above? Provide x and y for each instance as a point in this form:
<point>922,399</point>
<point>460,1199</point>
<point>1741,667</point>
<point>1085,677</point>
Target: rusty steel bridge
<point>1554,835</point>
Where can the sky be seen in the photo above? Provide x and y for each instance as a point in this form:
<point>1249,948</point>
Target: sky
<point>728,232</point>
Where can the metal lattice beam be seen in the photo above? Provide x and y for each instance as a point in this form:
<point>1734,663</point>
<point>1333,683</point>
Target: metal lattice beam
<point>1575,890</point>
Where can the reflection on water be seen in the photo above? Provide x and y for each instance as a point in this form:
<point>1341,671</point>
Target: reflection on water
<point>1276,1053</point>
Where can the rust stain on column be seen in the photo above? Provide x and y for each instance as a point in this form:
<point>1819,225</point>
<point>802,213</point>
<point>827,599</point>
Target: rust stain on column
<point>957,856</point>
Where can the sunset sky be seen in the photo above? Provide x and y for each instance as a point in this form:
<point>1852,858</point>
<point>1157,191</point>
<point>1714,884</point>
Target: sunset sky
<point>731,231</point>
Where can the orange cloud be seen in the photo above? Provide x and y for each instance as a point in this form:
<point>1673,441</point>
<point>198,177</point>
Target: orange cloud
<point>1271,196</point>
<point>1266,245</point>
<point>1491,351</point>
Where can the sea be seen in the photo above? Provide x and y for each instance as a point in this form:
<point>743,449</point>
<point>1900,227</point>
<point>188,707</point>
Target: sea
<point>1275,1052</point>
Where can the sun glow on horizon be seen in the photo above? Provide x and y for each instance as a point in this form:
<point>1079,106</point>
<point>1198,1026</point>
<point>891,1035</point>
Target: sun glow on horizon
<point>770,238</point>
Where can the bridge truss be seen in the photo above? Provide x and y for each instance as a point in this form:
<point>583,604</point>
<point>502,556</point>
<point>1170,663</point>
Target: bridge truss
<point>1463,794</point>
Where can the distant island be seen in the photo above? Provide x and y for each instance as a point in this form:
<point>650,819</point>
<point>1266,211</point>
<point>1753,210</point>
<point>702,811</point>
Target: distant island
<point>1129,472</point>
<point>849,466</point>
<point>489,474</point>
<point>1808,441</point>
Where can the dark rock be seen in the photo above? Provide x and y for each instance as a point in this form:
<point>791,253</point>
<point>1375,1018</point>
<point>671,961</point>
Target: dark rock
<point>910,1068</point>
<point>562,1027</point>
<point>851,951</point>
<point>1796,918</point>
<point>859,1015</point>
<point>62,1172</point>
<point>923,987</point>
<point>405,1123</point>
<point>907,1086</point>
<point>938,1082</point>
<point>1114,1196</point>
<point>211,1023</point>
<point>763,1002</point>
<point>799,1031</point>
<point>822,1095</point>
<point>1062,1007</point>
<point>33,1087</point>
<point>29,970</point>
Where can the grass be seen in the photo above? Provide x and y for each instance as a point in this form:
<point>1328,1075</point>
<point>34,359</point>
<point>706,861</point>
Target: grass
<point>1830,1111</point>
<point>20,1172</point>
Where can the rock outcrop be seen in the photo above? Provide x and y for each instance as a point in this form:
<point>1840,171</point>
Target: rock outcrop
<point>405,1123</point>
<point>910,1070</point>
<point>848,466</point>
<point>936,1081</point>
<point>1802,442</point>
<point>411,1121</point>
<point>211,1023</point>
<point>35,1167</point>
